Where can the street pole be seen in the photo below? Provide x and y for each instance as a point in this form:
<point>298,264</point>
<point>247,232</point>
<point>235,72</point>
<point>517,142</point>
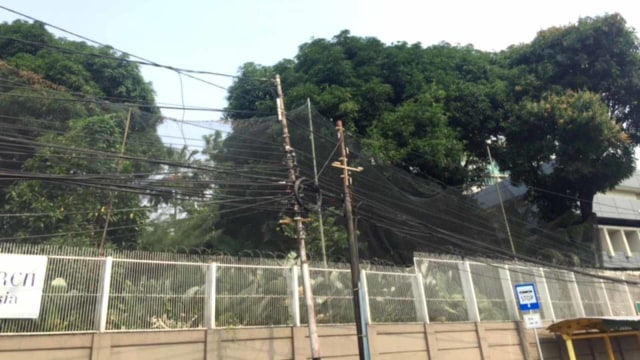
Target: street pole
<point>504,213</point>
<point>315,179</point>
<point>300,228</point>
<point>353,245</point>
<point>535,333</point>
<point>119,168</point>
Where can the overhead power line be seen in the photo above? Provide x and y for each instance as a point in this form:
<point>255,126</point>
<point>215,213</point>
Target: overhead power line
<point>110,57</point>
<point>141,60</point>
<point>142,105</point>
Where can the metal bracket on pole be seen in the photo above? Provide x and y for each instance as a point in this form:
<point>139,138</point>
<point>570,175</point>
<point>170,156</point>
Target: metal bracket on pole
<point>339,165</point>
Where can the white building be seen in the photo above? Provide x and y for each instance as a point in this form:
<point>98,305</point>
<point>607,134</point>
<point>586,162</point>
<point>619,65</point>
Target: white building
<point>619,224</point>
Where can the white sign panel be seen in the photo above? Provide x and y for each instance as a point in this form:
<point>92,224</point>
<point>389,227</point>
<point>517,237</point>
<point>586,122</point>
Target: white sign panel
<point>532,321</point>
<point>21,283</point>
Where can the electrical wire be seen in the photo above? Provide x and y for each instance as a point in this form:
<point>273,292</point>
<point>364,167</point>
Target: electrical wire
<point>112,57</point>
<point>183,106</point>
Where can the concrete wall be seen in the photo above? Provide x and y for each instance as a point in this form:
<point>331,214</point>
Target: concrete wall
<point>437,341</point>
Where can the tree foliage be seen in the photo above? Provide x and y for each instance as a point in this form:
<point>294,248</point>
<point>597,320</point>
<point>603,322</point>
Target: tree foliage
<point>367,82</point>
<point>565,105</point>
<point>59,100</point>
<point>566,146</point>
<point>419,136</point>
<point>597,54</point>
<point>64,211</point>
<point>575,116</point>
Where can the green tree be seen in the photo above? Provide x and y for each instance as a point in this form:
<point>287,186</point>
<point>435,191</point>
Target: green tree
<point>189,215</point>
<point>44,77</point>
<point>62,207</point>
<point>367,82</point>
<point>418,137</point>
<point>56,92</point>
<point>563,69</point>
<point>33,36</point>
<point>431,109</point>
<point>252,93</point>
<point>567,148</point>
<point>597,54</point>
<point>77,66</point>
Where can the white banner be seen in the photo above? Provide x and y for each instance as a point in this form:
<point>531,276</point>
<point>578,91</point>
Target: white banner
<point>21,283</point>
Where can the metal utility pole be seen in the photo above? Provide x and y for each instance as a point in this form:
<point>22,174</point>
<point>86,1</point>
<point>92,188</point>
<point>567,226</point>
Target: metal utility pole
<point>504,213</point>
<point>315,180</point>
<point>353,245</point>
<point>300,228</point>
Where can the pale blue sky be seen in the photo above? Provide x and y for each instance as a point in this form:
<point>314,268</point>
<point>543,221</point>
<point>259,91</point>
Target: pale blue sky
<point>220,35</point>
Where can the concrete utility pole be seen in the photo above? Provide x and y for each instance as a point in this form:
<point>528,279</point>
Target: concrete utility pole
<point>353,245</point>
<point>300,228</point>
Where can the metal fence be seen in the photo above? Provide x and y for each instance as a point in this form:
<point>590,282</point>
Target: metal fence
<point>89,293</point>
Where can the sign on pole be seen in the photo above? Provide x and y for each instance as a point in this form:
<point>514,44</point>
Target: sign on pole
<point>527,297</point>
<point>532,321</point>
<point>21,283</point>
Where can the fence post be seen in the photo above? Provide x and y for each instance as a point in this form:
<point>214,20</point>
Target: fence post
<point>606,298</point>
<point>468,291</point>
<point>545,297</point>
<point>575,295</point>
<point>210,297</point>
<point>507,290</point>
<point>295,296</point>
<point>365,317</point>
<point>634,312</point>
<point>420,298</point>
<point>103,299</point>
<point>364,291</point>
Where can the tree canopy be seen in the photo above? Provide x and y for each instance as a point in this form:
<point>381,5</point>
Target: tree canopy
<point>367,82</point>
<point>62,108</point>
<point>565,106</point>
<point>597,54</point>
<point>566,146</point>
<point>575,112</point>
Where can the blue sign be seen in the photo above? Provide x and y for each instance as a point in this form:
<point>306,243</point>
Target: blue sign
<point>527,296</point>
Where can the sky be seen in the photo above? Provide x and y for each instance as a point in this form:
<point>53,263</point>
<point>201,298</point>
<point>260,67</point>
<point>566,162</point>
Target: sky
<point>221,35</point>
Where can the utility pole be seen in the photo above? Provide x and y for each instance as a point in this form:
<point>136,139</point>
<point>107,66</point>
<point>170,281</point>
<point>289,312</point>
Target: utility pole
<point>504,213</point>
<point>315,180</point>
<point>110,208</point>
<point>353,245</point>
<point>300,228</point>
